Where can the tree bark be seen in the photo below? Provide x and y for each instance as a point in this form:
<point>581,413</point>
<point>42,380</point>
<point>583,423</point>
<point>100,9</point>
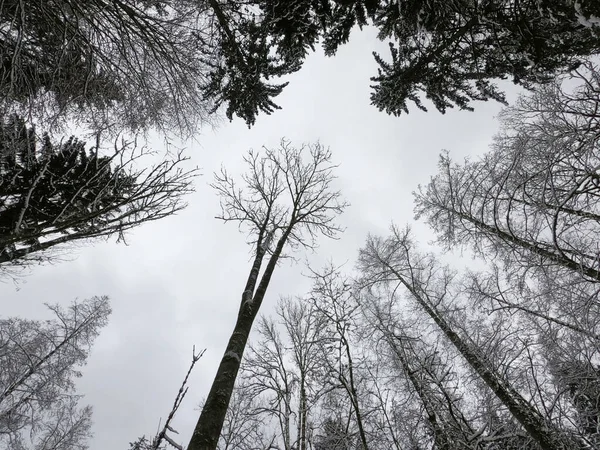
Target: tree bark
<point>351,388</point>
<point>208,429</point>
<point>302,422</point>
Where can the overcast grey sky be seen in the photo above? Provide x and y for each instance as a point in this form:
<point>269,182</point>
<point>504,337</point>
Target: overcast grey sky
<point>179,281</point>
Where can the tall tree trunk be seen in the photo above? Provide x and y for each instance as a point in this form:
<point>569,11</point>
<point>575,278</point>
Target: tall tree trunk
<point>354,397</point>
<point>531,420</point>
<point>287,444</point>
<point>302,422</point>
<point>208,429</point>
<point>557,257</point>
<point>439,435</point>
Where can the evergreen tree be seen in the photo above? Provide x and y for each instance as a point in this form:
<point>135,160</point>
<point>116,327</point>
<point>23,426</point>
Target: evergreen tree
<point>169,63</point>
<point>55,193</point>
<point>572,363</point>
<point>452,52</point>
<point>268,39</point>
<point>583,383</point>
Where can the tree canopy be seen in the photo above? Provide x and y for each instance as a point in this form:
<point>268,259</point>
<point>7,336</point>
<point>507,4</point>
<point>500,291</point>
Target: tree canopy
<point>39,361</point>
<point>169,64</point>
<point>450,52</point>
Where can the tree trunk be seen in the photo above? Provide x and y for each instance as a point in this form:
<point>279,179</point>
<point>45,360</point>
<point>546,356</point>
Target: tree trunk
<point>210,423</point>
<point>208,429</point>
<point>528,416</point>
<point>557,258</point>
<point>439,436</point>
<point>302,422</point>
<point>354,397</point>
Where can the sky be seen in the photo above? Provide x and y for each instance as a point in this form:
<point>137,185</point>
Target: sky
<point>179,281</point>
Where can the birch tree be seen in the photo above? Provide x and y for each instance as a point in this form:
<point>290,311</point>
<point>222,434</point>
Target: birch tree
<point>38,363</point>
<point>285,203</point>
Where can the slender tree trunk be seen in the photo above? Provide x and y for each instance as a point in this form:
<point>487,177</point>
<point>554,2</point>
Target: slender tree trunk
<point>439,436</point>
<point>509,305</point>
<point>302,422</point>
<point>288,413</point>
<point>527,415</point>
<point>557,258</point>
<point>354,397</point>
<point>557,208</point>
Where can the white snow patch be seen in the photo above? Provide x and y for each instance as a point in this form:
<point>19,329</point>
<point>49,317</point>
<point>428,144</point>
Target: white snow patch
<point>233,355</point>
<point>249,298</point>
<point>588,22</point>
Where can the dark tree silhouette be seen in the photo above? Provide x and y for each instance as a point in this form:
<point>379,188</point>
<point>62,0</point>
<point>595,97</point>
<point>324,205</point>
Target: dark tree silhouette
<point>53,194</point>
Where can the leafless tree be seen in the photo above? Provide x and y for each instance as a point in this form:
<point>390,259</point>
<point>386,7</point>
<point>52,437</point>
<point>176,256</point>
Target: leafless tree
<point>285,366</point>
<point>428,370</point>
<point>246,426</point>
<point>38,362</point>
<point>305,330</point>
<point>555,302</point>
<point>332,298</point>
<point>394,260</point>
<point>532,200</point>
<point>286,202</point>
<point>530,208</point>
<point>56,194</point>
<point>268,371</point>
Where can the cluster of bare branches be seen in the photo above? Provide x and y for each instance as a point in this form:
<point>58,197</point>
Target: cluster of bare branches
<point>38,363</point>
<point>295,380</point>
<point>414,354</point>
<point>526,328</point>
<point>533,199</point>
<point>404,356</point>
